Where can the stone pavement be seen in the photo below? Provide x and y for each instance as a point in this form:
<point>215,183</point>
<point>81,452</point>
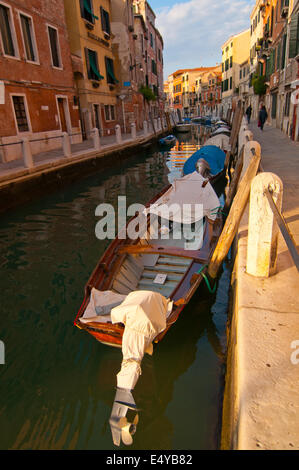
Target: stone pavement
<point>261,401</point>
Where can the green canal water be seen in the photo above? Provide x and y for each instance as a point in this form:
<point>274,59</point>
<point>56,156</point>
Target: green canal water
<point>58,383</point>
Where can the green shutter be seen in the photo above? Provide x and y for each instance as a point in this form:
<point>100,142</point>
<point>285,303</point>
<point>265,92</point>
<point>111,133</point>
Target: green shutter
<point>278,61</point>
<point>283,54</point>
<point>294,36</point>
<point>109,70</point>
<point>94,66</point>
<point>87,8</point>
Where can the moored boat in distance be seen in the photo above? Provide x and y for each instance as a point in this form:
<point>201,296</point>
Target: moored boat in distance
<point>183,127</point>
<point>168,140</point>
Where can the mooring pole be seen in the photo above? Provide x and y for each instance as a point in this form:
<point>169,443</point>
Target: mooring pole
<point>235,214</point>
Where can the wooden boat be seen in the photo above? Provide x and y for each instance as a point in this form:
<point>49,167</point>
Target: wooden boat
<point>168,140</point>
<point>131,265</point>
<point>221,130</point>
<point>183,127</point>
<point>209,161</point>
<point>160,271</point>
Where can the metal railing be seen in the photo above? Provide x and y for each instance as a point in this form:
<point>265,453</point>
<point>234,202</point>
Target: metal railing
<point>288,238</point>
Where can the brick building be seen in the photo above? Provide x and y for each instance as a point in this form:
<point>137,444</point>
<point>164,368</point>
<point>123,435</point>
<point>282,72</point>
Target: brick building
<point>128,39</point>
<point>37,93</point>
<point>153,55</point>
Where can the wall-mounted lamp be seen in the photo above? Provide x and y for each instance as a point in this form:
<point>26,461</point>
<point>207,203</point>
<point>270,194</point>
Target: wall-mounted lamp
<point>136,65</point>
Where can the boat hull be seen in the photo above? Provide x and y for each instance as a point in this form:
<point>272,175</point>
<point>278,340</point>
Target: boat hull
<point>110,263</point>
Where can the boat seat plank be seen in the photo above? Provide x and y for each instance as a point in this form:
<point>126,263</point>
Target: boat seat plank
<point>174,260</point>
<point>164,290</point>
<point>165,250</point>
<point>169,268</point>
<point>120,288</point>
<point>150,282</point>
<point>131,285</point>
<point>171,276</point>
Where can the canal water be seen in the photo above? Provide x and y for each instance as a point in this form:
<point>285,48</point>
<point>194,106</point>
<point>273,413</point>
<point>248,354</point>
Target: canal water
<point>58,383</point>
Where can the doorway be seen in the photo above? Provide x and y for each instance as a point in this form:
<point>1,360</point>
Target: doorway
<point>97,119</point>
<point>62,114</point>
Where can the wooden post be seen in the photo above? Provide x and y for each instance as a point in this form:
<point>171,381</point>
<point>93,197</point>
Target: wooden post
<point>26,153</point>
<point>249,147</point>
<point>262,226</point>
<point>235,214</point>
<point>234,181</point>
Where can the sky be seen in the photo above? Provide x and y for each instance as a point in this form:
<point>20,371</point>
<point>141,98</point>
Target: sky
<point>194,30</point>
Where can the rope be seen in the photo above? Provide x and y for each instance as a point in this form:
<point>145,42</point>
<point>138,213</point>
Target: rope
<point>211,290</point>
<point>215,211</point>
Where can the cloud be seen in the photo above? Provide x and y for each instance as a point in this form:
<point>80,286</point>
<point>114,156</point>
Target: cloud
<point>193,31</point>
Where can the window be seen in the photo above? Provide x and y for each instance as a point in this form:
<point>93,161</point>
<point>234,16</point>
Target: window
<point>283,53</point>
<point>54,46</point>
<point>231,61</point>
<point>86,9</point>
<point>110,71</point>
<point>230,83</point>
<point>154,67</point>
<point>287,104</point>
<point>7,32</point>
<point>109,112</point>
<point>20,113</point>
<point>274,106</point>
<point>92,65</point>
<point>294,36</point>
<point>28,38</point>
<point>105,21</point>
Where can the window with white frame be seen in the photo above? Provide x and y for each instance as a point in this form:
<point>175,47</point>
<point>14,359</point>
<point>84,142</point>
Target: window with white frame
<point>7,32</point>
<point>54,47</point>
<point>28,37</point>
<point>109,112</point>
<point>20,113</point>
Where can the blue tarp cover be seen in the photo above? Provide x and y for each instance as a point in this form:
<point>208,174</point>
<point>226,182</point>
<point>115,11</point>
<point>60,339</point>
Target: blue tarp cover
<point>212,154</point>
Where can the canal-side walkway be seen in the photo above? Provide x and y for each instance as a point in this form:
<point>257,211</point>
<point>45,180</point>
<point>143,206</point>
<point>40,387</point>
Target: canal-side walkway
<point>16,168</point>
<point>261,403</point>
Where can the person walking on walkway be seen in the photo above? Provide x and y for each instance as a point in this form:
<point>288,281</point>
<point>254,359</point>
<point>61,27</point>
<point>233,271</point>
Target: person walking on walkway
<point>248,113</point>
<point>262,117</point>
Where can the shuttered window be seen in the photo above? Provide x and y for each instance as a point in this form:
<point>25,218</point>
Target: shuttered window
<point>294,36</point>
<point>110,71</point>
<point>283,53</point>
<point>105,21</point>
<point>92,65</point>
<point>86,9</point>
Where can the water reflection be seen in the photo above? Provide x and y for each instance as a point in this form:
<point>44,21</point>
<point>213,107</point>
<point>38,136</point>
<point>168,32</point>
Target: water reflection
<point>58,384</point>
